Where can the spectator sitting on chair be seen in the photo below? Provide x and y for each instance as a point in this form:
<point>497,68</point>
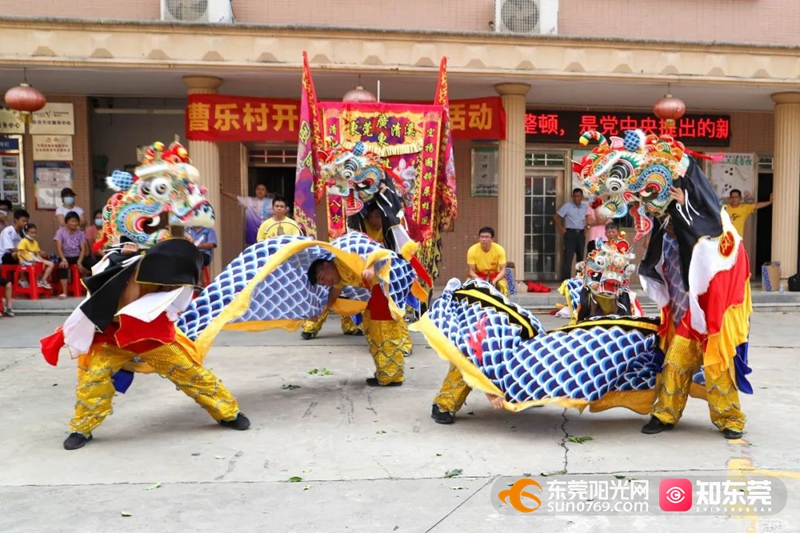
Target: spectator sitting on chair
<point>30,253</point>
<point>71,248</point>
<point>487,260</point>
<point>68,201</point>
<point>92,230</point>
<point>571,222</point>
<point>5,213</point>
<point>205,239</point>
<point>10,237</point>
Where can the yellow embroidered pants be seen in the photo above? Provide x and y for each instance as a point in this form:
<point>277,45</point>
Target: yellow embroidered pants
<point>95,390</point>
<point>683,359</point>
<point>454,391</point>
<point>314,326</point>
<point>388,341</point>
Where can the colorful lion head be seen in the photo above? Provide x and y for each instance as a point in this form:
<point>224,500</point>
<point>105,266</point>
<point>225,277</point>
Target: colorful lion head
<point>355,175</point>
<point>638,170</point>
<point>162,192</point>
<point>608,268</point>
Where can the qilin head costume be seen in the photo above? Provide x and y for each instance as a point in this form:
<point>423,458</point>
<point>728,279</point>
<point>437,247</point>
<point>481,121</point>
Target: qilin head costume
<point>162,191</point>
<point>363,179</point>
<point>638,170</point>
<point>696,268</point>
<point>607,269</point>
<point>603,287</point>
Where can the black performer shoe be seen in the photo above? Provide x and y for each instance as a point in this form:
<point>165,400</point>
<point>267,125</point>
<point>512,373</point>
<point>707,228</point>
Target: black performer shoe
<point>373,382</point>
<point>655,426</point>
<point>306,336</point>
<point>356,333</point>
<point>75,441</point>
<point>241,422</point>
<point>731,434</point>
<point>442,417</point>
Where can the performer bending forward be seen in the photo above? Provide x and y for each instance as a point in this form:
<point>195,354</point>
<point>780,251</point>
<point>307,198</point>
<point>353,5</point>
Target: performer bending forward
<point>129,316</point>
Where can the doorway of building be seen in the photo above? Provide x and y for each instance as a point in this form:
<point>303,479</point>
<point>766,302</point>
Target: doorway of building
<point>763,222</point>
<point>278,180</point>
<point>541,193</point>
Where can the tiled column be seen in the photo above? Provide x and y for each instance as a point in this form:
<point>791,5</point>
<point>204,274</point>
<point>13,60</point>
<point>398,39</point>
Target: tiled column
<point>511,186</point>
<point>205,156</point>
<point>786,181</point>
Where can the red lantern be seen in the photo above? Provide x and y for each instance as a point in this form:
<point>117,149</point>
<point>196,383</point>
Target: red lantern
<point>25,99</point>
<point>669,109</point>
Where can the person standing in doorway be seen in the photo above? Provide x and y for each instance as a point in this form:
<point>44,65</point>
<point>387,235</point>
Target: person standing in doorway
<point>571,222</point>
<point>279,223</point>
<point>739,212</point>
<point>258,208</point>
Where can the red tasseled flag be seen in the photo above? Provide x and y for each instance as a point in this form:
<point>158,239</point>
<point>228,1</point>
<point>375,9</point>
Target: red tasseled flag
<point>51,345</point>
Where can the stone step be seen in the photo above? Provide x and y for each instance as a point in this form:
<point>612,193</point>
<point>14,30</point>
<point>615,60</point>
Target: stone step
<point>762,301</point>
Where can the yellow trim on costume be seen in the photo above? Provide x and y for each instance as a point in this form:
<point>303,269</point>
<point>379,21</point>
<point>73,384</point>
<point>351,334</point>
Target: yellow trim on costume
<point>611,322</point>
<point>289,324</point>
<point>525,323</point>
<point>346,307</point>
<point>720,347</point>
<point>563,289</point>
<point>409,250</point>
<point>640,402</point>
<point>449,352</point>
<point>241,303</point>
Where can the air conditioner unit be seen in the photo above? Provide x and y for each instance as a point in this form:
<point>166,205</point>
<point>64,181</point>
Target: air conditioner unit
<point>210,11</point>
<point>526,17</point>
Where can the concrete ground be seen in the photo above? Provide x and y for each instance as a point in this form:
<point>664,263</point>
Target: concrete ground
<point>370,460</point>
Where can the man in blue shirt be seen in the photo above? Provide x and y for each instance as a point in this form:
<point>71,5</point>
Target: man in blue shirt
<point>571,222</point>
<point>205,239</point>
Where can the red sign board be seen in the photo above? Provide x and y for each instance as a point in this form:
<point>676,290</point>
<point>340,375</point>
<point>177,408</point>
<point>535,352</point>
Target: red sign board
<point>216,117</point>
<point>568,126</point>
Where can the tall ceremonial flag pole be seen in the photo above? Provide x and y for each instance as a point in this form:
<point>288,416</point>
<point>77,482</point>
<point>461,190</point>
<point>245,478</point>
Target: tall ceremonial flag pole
<point>447,204</point>
<point>308,189</point>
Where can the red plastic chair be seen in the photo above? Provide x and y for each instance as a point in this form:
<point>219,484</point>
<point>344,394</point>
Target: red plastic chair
<point>32,273</point>
<point>8,272</point>
<point>74,285</point>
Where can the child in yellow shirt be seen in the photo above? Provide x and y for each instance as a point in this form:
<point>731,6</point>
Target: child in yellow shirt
<point>30,253</point>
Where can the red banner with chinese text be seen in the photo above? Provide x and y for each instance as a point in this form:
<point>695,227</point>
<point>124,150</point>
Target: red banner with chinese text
<point>478,119</point>
<point>408,136</point>
<point>217,117</point>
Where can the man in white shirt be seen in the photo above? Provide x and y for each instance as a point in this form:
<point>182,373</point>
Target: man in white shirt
<point>67,205</point>
<point>571,222</point>
<point>10,237</point>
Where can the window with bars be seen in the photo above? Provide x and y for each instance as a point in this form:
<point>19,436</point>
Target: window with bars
<point>277,156</point>
<point>544,159</point>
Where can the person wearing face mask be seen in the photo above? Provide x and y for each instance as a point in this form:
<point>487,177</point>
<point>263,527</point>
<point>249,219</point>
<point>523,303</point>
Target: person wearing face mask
<point>93,230</point>
<point>67,206</point>
<point>30,253</point>
<point>5,211</point>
